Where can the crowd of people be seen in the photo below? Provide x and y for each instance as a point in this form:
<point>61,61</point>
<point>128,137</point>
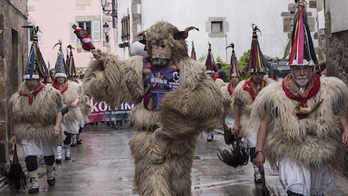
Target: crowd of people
<point>299,123</point>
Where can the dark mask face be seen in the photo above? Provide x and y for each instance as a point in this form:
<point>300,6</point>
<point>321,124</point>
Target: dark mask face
<point>160,62</point>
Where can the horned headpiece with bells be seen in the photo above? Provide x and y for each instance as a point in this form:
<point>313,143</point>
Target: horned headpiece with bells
<point>257,62</point>
<point>164,42</point>
<point>302,50</point>
<point>36,68</point>
<point>234,68</point>
<point>72,71</point>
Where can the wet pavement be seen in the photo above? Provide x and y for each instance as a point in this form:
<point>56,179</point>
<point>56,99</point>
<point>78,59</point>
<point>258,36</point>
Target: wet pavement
<point>102,165</point>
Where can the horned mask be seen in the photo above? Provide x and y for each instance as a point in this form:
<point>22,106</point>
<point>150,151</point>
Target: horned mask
<point>165,43</point>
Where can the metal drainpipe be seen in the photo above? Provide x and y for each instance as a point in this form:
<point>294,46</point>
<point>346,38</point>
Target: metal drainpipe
<point>101,28</point>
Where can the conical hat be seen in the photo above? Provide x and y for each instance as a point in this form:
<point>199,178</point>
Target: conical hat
<point>257,62</point>
<point>234,68</point>
<point>60,67</point>
<point>193,52</point>
<point>210,62</point>
<point>302,50</point>
<point>36,68</point>
<point>72,71</point>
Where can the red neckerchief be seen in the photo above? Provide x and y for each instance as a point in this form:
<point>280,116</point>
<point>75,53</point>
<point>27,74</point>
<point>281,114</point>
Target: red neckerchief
<point>293,91</point>
<point>76,81</point>
<point>65,87</point>
<point>230,89</point>
<point>251,87</point>
<point>31,95</point>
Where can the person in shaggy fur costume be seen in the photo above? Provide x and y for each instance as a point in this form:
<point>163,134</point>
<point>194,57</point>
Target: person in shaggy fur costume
<point>244,95</point>
<point>71,98</point>
<point>303,129</point>
<point>36,114</point>
<point>175,101</point>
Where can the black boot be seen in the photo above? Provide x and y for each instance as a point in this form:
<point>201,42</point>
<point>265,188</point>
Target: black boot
<point>51,180</point>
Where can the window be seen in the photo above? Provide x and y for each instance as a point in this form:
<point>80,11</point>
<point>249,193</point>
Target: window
<point>31,35</point>
<point>85,25</point>
<point>216,26</point>
<point>125,21</point>
<point>72,37</point>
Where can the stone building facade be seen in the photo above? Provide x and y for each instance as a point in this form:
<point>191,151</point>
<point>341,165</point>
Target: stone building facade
<point>336,43</point>
<point>13,58</point>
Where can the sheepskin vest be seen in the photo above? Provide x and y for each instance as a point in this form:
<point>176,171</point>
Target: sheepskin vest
<point>157,82</point>
<point>35,121</point>
<point>227,100</point>
<point>85,110</point>
<point>314,140</point>
<point>247,124</point>
<point>69,96</point>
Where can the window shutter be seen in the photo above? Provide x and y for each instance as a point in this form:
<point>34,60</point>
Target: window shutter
<point>72,36</point>
<point>95,31</point>
<point>30,38</point>
<point>39,35</point>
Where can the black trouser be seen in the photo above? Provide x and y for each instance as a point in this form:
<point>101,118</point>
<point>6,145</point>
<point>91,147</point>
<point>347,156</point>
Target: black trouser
<point>31,162</point>
<point>252,154</point>
<point>67,138</point>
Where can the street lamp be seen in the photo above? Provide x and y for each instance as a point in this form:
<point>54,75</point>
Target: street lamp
<point>111,12</point>
<point>106,31</point>
<point>106,28</point>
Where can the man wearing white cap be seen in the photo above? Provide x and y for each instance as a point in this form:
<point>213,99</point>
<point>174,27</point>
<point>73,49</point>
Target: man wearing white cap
<point>36,120</point>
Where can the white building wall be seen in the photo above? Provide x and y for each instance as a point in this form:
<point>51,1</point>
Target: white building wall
<point>239,16</point>
<point>338,10</point>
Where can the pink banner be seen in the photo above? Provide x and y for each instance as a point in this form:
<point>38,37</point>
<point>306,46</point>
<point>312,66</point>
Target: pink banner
<point>101,111</point>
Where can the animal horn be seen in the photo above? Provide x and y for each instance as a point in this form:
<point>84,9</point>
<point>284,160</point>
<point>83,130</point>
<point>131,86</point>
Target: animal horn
<point>143,40</point>
<point>306,110</point>
<point>142,34</point>
<point>189,29</point>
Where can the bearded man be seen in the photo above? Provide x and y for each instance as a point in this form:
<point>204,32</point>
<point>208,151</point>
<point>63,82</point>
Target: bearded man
<point>303,129</point>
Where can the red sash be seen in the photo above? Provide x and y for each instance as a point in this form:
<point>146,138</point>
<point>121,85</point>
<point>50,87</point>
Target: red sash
<point>65,87</point>
<point>230,89</point>
<point>252,89</point>
<point>31,95</point>
<point>292,91</point>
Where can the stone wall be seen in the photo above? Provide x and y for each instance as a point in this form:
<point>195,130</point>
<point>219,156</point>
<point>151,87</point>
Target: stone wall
<point>13,57</point>
<point>337,55</point>
<point>337,60</point>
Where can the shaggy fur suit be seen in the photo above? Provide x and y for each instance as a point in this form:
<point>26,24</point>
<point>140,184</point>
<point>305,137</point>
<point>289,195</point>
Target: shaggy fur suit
<point>164,146</point>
